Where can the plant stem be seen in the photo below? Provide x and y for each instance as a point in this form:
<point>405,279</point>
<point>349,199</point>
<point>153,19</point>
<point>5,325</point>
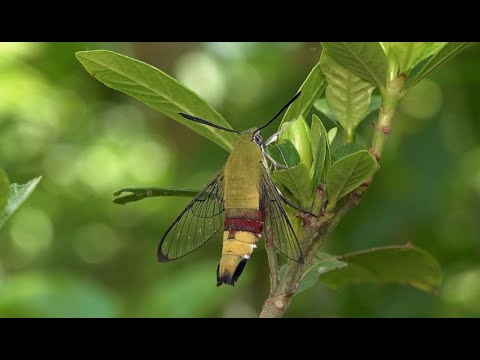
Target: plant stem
<point>381,131</point>
<point>350,135</point>
<point>315,232</point>
<point>277,303</point>
<point>382,128</point>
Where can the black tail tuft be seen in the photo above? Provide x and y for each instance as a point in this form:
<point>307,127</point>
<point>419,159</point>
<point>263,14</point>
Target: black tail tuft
<point>229,278</point>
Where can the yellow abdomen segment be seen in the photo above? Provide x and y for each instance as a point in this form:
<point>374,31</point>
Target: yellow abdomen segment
<point>237,248</point>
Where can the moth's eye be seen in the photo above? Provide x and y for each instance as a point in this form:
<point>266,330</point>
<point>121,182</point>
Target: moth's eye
<point>257,138</point>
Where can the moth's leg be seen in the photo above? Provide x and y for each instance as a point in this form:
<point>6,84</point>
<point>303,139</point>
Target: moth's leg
<point>273,162</point>
<point>296,207</point>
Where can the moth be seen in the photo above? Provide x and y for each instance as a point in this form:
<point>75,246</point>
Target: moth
<point>243,200</point>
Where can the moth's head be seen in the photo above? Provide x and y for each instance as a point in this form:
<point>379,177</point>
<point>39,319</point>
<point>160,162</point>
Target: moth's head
<point>254,135</point>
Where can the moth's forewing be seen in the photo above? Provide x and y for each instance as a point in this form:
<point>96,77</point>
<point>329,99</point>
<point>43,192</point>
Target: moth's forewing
<point>196,224</point>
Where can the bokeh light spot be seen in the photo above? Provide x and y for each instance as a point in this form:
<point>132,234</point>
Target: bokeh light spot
<point>10,51</point>
<point>423,101</point>
<point>464,289</point>
<point>148,161</point>
<point>59,165</point>
<point>230,50</point>
<point>31,231</point>
<point>99,167</point>
<point>245,84</point>
<point>201,72</point>
<point>470,169</point>
<point>96,243</point>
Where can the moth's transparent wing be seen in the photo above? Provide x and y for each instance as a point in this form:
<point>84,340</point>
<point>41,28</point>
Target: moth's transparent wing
<point>197,223</point>
<point>277,226</point>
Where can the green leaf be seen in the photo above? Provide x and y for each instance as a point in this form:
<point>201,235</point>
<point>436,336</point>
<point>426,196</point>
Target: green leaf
<point>385,46</point>
<point>18,194</point>
<point>426,67</point>
<point>322,265</point>
<point>312,88</point>
<point>365,59</point>
<point>156,89</point>
<point>136,194</point>
<point>404,264</point>
<point>375,103</point>
<point>409,54</point>
<point>347,174</point>
<point>4,190</point>
<point>320,149</point>
<point>332,134</point>
<point>322,106</point>
<point>347,95</point>
<point>297,181</point>
<point>298,133</point>
<point>284,153</point>
<point>345,150</point>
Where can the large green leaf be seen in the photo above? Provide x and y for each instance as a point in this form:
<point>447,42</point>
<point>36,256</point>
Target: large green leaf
<point>347,95</point>
<point>365,59</point>
<point>4,190</point>
<point>347,174</point>
<point>127,195</point>
<point>405,264</point>
<point>409,54</point>
<point>297,181</point>
<point>320,149</point>
<point>156,89</point>
<point>312,88</point>
<point>447,52</point>
<point>18,194</point>
<point>298,133</point>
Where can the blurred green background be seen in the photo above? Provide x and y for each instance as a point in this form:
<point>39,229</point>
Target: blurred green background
<point>69,251</point>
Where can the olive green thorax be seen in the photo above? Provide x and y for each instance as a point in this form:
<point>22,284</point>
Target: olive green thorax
<point>243,172</point>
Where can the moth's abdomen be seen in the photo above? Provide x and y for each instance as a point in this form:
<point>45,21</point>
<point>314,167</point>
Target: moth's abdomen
<point>242,230</point>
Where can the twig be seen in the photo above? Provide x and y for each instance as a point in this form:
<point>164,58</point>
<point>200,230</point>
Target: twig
<point>136,194</point>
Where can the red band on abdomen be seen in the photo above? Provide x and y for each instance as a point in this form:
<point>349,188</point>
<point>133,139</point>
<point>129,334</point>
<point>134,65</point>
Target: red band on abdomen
<point>249,214</point>
<point>253,226</point>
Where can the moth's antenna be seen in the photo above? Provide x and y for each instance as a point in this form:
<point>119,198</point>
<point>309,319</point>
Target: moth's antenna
<point>281,110</point>
<point>201,121</point>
